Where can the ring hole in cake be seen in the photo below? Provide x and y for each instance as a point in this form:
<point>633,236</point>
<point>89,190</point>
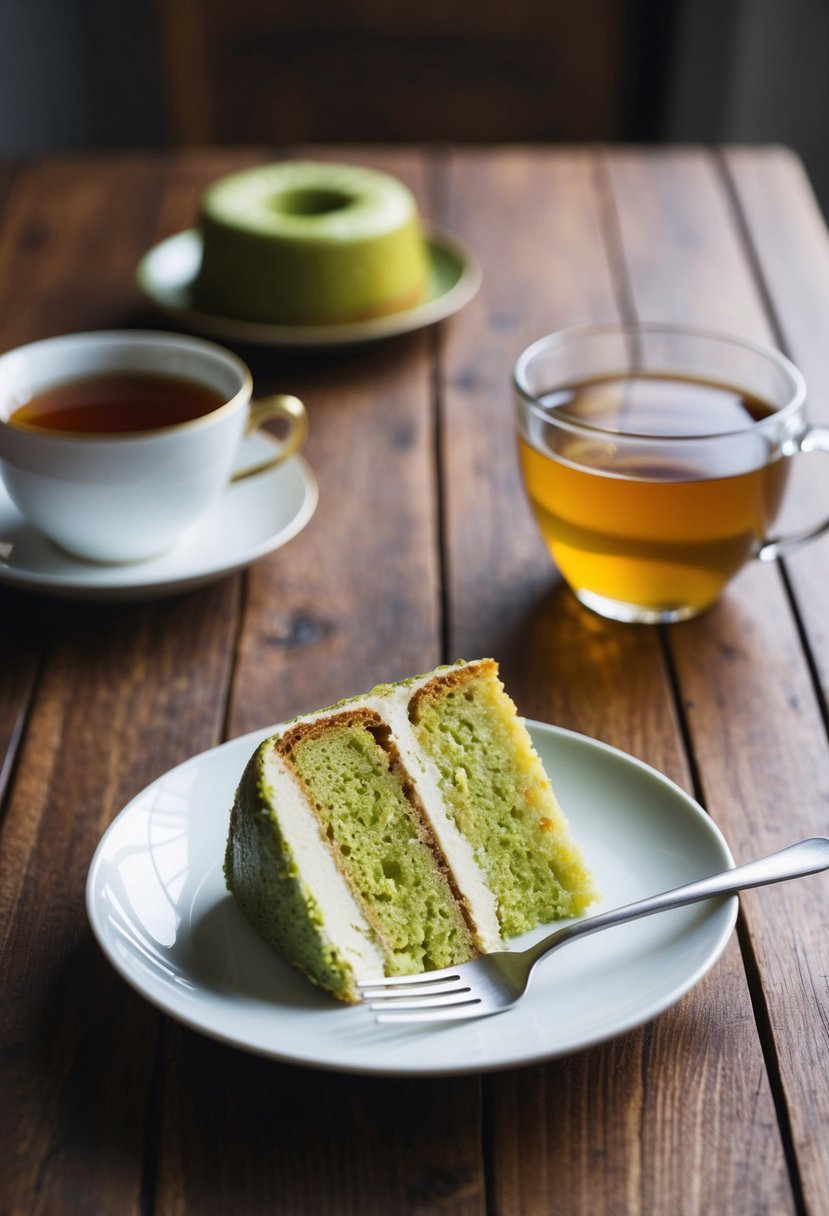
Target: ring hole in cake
<point>310,202</point>
<point>310,243</point>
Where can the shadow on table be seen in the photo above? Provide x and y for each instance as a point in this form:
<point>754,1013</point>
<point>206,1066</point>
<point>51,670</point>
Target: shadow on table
<point>280,363</point>
<point>552,650</point>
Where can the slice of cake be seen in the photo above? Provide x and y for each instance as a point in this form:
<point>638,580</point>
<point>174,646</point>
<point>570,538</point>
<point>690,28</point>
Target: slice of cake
<point>402,831</point>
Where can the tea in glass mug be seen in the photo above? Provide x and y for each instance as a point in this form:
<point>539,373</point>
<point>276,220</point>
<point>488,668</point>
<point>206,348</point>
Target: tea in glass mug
<point>655,459</point>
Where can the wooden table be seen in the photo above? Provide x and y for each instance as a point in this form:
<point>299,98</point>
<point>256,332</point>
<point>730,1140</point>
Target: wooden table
<point>423,550</point>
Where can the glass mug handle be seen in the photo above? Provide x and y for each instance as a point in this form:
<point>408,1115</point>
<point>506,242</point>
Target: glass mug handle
<point>813,439</point>
<point>264,410</point>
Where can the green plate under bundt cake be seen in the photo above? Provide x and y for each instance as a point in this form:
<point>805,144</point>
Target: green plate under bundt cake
<point>406,830</point>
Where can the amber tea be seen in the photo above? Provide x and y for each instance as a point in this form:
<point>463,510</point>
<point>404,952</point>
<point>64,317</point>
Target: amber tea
<point>118,402</point>
<point>635,521</point>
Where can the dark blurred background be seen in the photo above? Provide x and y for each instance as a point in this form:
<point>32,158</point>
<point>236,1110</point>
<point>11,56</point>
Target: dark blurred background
<point>114,73</point>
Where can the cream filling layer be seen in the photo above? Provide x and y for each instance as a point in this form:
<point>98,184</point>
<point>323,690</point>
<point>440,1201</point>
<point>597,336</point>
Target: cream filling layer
<point>344,924</point>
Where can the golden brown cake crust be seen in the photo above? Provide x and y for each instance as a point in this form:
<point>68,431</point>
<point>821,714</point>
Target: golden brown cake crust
<point>359,716</point>
<point>454,677</point>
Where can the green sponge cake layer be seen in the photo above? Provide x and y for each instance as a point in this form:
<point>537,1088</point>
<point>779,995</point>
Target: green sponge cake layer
<point>498,794</point>
<point>304,243</point>
<point>366,808</point>
<point>401,831</point>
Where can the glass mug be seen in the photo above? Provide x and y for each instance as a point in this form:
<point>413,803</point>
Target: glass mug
<point>655,458</point>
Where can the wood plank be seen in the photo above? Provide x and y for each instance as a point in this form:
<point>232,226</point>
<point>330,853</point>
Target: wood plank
<point>654,1122</point>
<point>20,664</point>
<point>241,1136</point>
<point>16,693</point>
<point>352,601</point>
<point>95,1108</point>
<point>125,693</point>
<point>65,266</point>
<point>789,239</point>
<point>545,268</point>
<point>744,653</point>
<point>24,231</point>
<point>124,696</point>
<point>355,600</point>
<point>598,1133</point>
<point>69,285</point>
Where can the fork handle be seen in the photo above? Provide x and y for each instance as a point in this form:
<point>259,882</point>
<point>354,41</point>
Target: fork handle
<point>805,857</point>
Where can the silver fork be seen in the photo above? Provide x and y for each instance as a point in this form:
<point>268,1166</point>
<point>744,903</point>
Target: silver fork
<point>493,982</point>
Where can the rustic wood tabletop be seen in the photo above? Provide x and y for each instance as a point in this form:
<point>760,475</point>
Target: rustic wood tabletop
<point>423,550</point>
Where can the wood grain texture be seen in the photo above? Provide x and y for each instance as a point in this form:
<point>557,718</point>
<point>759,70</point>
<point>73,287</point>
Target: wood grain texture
<point>657,1109</point>
<point>423,548</point>
<point>764,773</point>
<point>18,686</point>
<point>123,696</point>
<point>789,240</point>
<point>545,226</point>
<point>351,602</point>
<point>124,693</point>
<point>242,1136</point>
<point>74,230</point>
<point>535,220</point>
<point>355,600</point>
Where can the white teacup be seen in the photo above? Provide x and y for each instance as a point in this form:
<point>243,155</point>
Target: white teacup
<point>128,496</point>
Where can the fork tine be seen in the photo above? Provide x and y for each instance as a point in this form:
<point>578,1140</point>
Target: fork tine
<point>419,991</point>
<point>396,981</point>
<point>454,996</point>
<point>448,1013</point>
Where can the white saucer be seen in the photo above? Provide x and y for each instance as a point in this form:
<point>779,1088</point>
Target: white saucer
<point>158,905</point>
<point>166,274</point>
<point>251,518</point>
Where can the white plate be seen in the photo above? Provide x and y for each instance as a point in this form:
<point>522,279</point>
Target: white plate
<point>251,518</point>
<point>158,905</point>
<point>166,274</point>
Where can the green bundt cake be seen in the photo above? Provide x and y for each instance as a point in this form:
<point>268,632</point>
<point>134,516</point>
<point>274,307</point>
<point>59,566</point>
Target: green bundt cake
<point>307,243</point>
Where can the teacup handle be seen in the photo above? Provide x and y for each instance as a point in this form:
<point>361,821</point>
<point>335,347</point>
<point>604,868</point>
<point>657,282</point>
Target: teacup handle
<point>264,410</point>
<point>813,439</point>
